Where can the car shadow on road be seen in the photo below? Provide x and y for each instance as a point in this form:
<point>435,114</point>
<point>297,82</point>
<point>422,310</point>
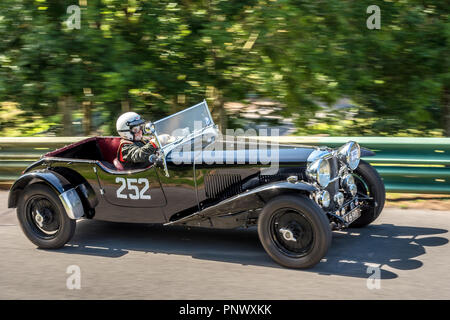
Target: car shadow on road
<point>351,252</point>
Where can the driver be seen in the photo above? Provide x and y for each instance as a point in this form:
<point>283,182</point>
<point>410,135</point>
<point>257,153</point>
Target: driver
<point>134,149</point>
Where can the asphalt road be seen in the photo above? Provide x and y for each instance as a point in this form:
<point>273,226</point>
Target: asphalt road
<point>409,249</point>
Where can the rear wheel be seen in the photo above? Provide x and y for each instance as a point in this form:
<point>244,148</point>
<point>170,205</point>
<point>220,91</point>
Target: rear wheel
<point>294,231</point>
<point>43,218</point>
<point>369,184</point>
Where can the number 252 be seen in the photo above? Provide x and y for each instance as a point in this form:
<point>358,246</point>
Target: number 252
<point>134,192</point>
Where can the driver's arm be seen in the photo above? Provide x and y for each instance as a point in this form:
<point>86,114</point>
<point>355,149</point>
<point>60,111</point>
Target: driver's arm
<point>136,154</point>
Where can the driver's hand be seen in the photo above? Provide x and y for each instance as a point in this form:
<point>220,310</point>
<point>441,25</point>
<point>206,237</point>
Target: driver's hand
<point>166,138</point>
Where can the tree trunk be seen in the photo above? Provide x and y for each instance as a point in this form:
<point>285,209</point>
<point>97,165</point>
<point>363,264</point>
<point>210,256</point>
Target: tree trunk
<point>218,111</point>
<point>174,106</point>
<point>219,106</point>
<point>87,123</point>
<point>223,117</point>
<point>65,108</point>
<point>125,104</point>
<point>446,110</point>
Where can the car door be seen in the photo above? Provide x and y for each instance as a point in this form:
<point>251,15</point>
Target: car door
<point>132,188</point>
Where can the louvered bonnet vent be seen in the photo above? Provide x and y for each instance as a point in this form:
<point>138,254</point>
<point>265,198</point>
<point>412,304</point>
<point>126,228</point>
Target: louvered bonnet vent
<point>222,186</point>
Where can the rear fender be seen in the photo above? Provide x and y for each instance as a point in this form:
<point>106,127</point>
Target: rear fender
<point>66,192</point>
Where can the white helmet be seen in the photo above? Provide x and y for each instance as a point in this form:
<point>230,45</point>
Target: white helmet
<point>126,122</point>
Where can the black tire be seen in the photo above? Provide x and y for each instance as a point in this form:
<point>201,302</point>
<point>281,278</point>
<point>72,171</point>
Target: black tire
<point>303,211</point>
<point>370,184</point>
<point>56,229</point>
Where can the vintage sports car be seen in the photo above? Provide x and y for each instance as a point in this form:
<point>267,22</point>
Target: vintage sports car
<point>199,179</point>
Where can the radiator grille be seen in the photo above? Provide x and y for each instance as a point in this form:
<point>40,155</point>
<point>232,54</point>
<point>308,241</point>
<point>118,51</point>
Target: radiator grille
<point>333,187</point>
<point>334,167</point>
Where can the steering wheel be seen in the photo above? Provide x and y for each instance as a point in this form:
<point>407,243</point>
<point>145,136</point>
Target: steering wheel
<point>150,128</point>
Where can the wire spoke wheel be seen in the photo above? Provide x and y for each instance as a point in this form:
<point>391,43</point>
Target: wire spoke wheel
<point>362,188</point>
<point>369,184</point>
<point>43,217</point>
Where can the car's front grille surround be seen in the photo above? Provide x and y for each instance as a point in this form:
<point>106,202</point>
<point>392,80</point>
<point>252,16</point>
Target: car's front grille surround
<point>334,167</point>
<point>333,186</point>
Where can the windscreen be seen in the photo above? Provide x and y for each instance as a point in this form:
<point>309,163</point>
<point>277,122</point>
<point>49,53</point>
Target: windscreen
<point>184,123</point>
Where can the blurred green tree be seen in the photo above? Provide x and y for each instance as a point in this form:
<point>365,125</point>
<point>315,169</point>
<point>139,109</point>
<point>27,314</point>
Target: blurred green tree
<point>158,56</point>
<point>319,51</point>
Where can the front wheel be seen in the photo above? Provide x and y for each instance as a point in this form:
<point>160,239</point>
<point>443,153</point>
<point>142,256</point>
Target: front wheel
<point>43,219</point>
<point>294,231</point>
<point>369,184</point>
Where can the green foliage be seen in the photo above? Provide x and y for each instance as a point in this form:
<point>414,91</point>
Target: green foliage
<point>361,121</point>
<point>15,122</point>
<point>159,56</point>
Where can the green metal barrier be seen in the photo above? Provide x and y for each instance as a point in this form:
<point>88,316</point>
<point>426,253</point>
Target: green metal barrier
<point>409,165</point>
<point>16,154</point>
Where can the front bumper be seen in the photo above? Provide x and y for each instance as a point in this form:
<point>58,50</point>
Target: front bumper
<point>347,213</point>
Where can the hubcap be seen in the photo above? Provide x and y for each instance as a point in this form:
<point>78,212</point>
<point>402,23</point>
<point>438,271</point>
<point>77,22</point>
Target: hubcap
<point>39,219</point>
<point>292,232</point>
<point>288,234</point>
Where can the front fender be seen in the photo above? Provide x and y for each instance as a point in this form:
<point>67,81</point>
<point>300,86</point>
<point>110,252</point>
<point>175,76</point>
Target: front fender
<point>67,194</point>
<point>250,200</point>
<point>367,153</point>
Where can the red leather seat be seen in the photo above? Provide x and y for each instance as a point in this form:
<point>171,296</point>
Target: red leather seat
<point>118,164</point>
<point>108,147</point>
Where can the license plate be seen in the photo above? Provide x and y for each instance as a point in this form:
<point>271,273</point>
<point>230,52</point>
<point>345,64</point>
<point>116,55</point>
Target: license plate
<point>352,215</point>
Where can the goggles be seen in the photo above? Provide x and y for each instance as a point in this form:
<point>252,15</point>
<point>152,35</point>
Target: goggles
<point>138,128</point>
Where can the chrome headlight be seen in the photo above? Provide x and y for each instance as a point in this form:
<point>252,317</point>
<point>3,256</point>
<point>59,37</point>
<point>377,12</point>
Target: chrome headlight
<point>323,198</point>
<point>339,198</point>
<point>350,154</point>
<point>320,172</point>
<point>353,189</point>
<point>347,181</point>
